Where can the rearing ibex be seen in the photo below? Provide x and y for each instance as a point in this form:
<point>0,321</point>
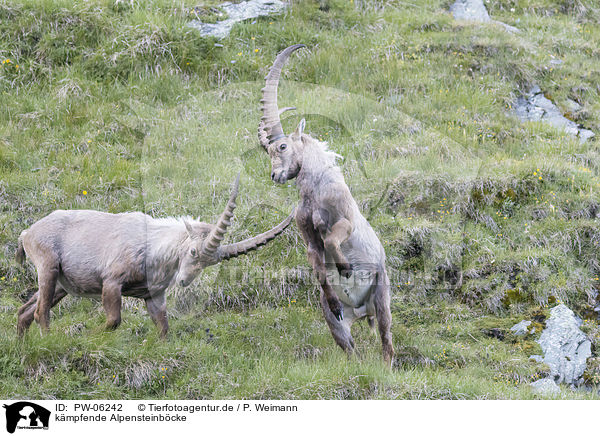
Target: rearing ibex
<point>345,253</point>
<point>92,254</point>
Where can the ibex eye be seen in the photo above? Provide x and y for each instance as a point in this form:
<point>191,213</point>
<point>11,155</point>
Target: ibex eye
<point>193,252</point>
<point>282,147</point>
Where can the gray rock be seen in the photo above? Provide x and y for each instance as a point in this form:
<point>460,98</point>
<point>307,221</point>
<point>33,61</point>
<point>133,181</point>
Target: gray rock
<point>507,27</point>
<point>537,358</point>
<point>474,10</point>
<point>470,10</point>
<point>545,386</point>
<point>520,329</point>
<point>572,105</point>
<point>237,12</point>
<point>566,348</point>
<point>535,89</point>
<point>534,106</point>
<point>585,134</point>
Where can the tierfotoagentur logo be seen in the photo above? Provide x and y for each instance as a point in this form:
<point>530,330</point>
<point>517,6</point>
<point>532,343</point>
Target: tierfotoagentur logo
<point>26,415</point>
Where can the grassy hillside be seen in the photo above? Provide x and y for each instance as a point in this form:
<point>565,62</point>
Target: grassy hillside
<point>485,221</point>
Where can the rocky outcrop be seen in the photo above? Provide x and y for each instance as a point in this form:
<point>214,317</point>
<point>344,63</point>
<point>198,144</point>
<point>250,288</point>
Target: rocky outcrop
<point>545,386</point>
<point>470,10</point>
<point>566,348</point>
<point>521,329</point>
<point>237,12</point>
<point>474,10</point>
<point>534,106</point>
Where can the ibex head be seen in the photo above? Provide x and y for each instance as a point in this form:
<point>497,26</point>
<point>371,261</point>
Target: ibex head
<point>203,246</point>
<point>285,150</point>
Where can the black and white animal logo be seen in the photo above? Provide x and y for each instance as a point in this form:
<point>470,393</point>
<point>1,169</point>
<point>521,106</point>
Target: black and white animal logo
<point>24,414</point>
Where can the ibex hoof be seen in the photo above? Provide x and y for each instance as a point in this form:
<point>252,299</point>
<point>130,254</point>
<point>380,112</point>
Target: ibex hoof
<point>344,269</point>
<point>337,309</point>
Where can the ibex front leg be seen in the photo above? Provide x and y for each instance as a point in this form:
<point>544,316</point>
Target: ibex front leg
<point>316,257</point>
<point>157,308</point>
<point>339,232</point>
<point>111,301</point>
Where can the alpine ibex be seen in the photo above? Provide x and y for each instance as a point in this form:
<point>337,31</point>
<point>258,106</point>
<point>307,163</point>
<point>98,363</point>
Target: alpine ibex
<point>345,253</point>
<point>92,254</point>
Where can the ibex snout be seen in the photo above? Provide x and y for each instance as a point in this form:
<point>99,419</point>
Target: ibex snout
<point>182,281</point>
<point>279,176</point>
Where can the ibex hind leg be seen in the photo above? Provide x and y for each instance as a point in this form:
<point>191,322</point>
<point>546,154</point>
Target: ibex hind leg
<point>157,308</point>
<point>26,312</point>
<point>339,329</point>
<point>384,315</point>
<point>367,310</point>
<point>371,322</point>
<point>47,278</point>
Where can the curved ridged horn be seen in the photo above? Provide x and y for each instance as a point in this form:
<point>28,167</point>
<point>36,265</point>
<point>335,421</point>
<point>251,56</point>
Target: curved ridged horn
<point>233,250</point>
<point>218,232</point>
<point>269,128</point>
<point>285,109</point>
<point>262,131</point>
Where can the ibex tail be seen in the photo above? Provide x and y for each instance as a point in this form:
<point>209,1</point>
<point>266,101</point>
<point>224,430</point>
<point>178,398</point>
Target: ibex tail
<point>20,254</point>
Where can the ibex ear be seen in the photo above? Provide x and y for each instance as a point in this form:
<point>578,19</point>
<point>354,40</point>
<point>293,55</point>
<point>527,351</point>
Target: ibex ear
<point>189,228</point>
<point>300,129</point>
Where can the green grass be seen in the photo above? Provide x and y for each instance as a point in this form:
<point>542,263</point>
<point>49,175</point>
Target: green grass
<point>122,107</point>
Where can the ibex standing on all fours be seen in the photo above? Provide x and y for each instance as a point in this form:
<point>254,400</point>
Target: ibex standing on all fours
<point>345,253</point>
<point>91,254</point>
